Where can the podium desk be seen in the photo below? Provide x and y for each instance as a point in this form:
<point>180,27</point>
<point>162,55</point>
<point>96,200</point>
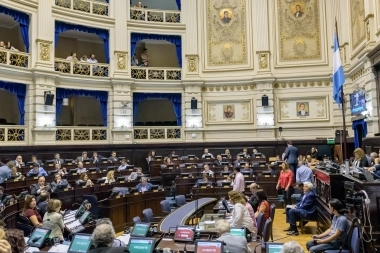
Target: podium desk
<point>204,191</point>
<point>10,213</point>
<point>183,185</point>
<point>80,191</point>
<point>152,200</point>
<point>116,210</point>
<point>66,196</point>
<point>14,186</point>
<point>268,184</point>
<point>169,175</point>
<point>135,206</point>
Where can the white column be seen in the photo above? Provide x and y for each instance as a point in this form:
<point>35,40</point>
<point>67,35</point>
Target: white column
<point>259,15</point>
<point>192,118</point>
<point>120,39</point>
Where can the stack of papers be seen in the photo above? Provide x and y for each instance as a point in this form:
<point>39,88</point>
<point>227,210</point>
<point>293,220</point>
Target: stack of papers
<point>59,248</point>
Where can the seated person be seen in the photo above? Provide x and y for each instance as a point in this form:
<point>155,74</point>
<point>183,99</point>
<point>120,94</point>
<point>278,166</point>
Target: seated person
<point>225,169</point>
<point>203,179</point>
<point>103,238</point>
<point>30,211</point>
<point>84,178</point>
<point>61,170</point>
<point>37,171</point>
<point>255,151</point>
<point>35,160</point>
<point>247,168</point>
<point>245,153</point>
<point>305,209</point>
<point>228,153</point>
<point>15,237</point>
<point>53,219</point>
<point>152,156</point>
<point>144,185</point>
<point>113,157</point>
<point>278,159</point>
<point>123,165</point>
<point>228,179</point>
<point>2,194</point>
<point>313,153</point>
<point>238,161</point>
<point>375,169</point>
<point>116,242</point>
<point>207,153</point>
<point>334,237</point>
<point>219,160</point>
<point>233,243</point>
<point>110,178</point>
<point>5,172</point>
<point>207,170</point>
<point>43,200</point>
<point>59,182</point>
<point>35,189</point>
<point>96,158</point>
<point>81,158</point>
<point>134,175</point>
<point>18,162</point>
<point>263,205</point>
<point>80,168</point>
<point>254,200</point>
<point>57,159</point>
<point>15,174</point>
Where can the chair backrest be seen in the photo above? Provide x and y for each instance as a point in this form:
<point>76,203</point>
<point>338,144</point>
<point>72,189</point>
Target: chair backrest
<point>355,241</point>
<point>136,219</point>
<point>260,223</point>
<point>272,211</point>
<point>165,207</point>
<point>180,200</point>
<point>148,215</point>
<point>267,229</point>
<point>24,220</point>
<point>26,228</point>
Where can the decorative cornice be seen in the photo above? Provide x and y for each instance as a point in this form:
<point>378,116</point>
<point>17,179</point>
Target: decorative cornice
<point>301,84</point>
<point>229,87</point>
<point>263,51</point>
<point>44,41</point>
<point>191,55</point>
<point>120,52</point>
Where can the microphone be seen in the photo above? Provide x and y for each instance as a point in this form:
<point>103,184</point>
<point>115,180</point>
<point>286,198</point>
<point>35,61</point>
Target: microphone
<point>184,248</point>
<point>36,239</point>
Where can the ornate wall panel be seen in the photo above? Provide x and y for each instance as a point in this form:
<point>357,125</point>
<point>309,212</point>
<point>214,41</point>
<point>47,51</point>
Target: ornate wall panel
<point>226,33</point>
<point>228,111</point>
<point>303,109</point>
<point>358,31</point>
<point>300,32</point>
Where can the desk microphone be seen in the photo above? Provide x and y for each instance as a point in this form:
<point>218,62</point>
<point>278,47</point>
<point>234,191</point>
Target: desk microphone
<point>184,248</point>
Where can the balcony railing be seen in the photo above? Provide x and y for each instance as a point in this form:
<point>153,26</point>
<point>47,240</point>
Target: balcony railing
<point>81,68</point>
<point>12,134</point>
<point>156,73</point>
<point>157,133</point>
<point>81,134</point>
<point>87,6</point>
<point>151,15</point>
<point>14,58</point>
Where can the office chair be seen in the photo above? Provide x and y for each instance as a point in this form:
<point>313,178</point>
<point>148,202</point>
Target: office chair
<point>180,200</point>
<point>165,207</point>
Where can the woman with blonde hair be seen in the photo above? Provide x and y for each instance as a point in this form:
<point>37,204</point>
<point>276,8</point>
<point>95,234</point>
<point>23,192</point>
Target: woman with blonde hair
<point>240,214</point>
<point>360,158</point>
<point>227,152</point>
<point>53,219</point>
<point>110,178</point>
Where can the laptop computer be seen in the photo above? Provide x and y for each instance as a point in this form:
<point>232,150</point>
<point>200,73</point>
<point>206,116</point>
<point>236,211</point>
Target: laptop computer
<point>271,247</point>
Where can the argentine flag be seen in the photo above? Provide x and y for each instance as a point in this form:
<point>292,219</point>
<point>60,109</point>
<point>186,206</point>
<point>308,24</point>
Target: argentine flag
<point>338,74</point>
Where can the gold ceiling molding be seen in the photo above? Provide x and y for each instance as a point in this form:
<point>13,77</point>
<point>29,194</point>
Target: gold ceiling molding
<point>44,41</point>
<point>358,74</point>
<point>301,84</point>
<point>229,88</point>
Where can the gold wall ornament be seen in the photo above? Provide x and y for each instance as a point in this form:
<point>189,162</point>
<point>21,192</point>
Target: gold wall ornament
<point>252,86</point>
<point>358,30</point>
<point>245,87</point>
<point>173,133</point>
<point>44,51</point>
<point>304,84</point>
<point>99,134</point>
<point>327,83</point>
<point>299,30</point>
<point>368,30</point>
<point>16,134</point>
<point>211,88</point>
<point>358,74</point>
<point>276,85</point>
<point>319,83</point>
<point>121,61</point>
<point>238,87</point>
<point>263,61</point>
<point>232,88</point>
<point>291,85</point>
<point>217,88</point>
<point>298,84</point>
<point>140,134</point>
<point>191,64</point>
<point>225,88</point>
<point>312,84</point>
<point>204,88</point>
<point>283,85</point>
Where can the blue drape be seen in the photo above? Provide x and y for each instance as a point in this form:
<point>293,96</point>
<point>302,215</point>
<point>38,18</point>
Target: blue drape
<point>175,39</point>
<point>20,91</point>
<point>363,128</point>
<point>175,98</point>
<point>178,4</point>
<point>62,93</point>
<point>102,33</point>
<point>23,20</point>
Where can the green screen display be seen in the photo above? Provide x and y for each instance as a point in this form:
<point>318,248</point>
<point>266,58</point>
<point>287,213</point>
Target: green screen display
<point>80,243</point>
<point>140,246</point>
<point>38,237</point>
<point>140,229</point>
<point>237,231</point>
<point>274,248</point>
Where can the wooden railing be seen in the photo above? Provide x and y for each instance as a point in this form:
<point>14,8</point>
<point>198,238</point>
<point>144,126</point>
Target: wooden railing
<point>156,73</point>
<point>87,6</point>
<point>14,58</point>
<point>12,133</point>
<point>81,68</point>
<point>81,134</point>
<point>151,15</point>
<point>157,133</point>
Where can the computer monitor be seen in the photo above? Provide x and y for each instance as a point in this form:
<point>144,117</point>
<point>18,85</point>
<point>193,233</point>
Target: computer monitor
<point>38,237</point>
<point>111,168</point>
<point>208,246</point>
<point>82,208</point>
<point>272,247</point>
<point>141,245</point>
<point>226,206</point>
<point>226,173</point>
<point>63,185</point>
<point>22,194</point>
<point>119,179</point>
<point>52,172</point>
<point>184,234</point>
<point>248,183</point>
<point>86,161</point>
<point>33,174</point>
<point>104,159</point>
<point>80,243</point>
<point>175,157</point>
<point>84,218</point>
<point>140,229</point>
<point>190,156</point>
<point>267,172</point>
<point>158,157</point>
<point>224,163</point>
<point>185,174</point>
<point>94,169</point>
<point>7,200</point>
<point>257,155</point>
<point>203,184</point>
<point>72,171</point>
<point>237,231</point>
<point>49,162</point>
<point>224,155</point>
<point>81,183</point>
<point>207,157</point>
<point>30,163</point>
<point>242,164</point>
<point>68,160</point>
<point>133,189</point>
<point>121,157</point>
<point>262,162</point>
<point>226,183</point>
<point>246,172</point>
<point>155,187</point>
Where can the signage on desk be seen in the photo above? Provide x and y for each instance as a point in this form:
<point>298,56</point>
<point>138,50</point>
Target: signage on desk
<point>51,165</point>
<point>130,170</point>
<point>69,164</point>
<point>105,161</point>
<point>136,193</point>
<point>93,172</point>
<point>66,189</point>
<point>226,186</point>
<point>33,178</point>
<point>102,184</point>
<point>155,190</point>
<point>121,182</point>
<point>74,174</point>
<point>185,177</point>
<point>87,163</point>
<point>85,186</point>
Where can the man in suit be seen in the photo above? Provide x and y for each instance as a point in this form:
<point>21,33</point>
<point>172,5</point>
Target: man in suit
<point>219,160</point>
<point>238,161</point>
<point>57,159</point>
<point>36,189</point>
<point>226,20</point>
<point>43,202</point>
<point>305,208</point>
<point>134,175</point>
<point>18,162</point>
<point>203,179</point>
<point>81,158</point>
<point>59,182</point>
<point>233,243</point>
<point>113,157</point>
<point>144,185</point>
<point>291,157</point>
<point>80,168</point>
<point>103,238</point>
<point>35,160</point>
<point>96,158</point>
<point>298,12</point>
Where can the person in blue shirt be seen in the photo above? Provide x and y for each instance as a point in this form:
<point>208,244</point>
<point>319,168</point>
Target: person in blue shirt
<point>144,185</point>
<point>5,172</point>
<point>37,170</point>
<point>304,173</point>
<point>203,179</point>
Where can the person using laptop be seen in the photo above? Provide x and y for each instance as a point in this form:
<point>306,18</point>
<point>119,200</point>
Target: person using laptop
<point>103,238</point>
<point>233,243</point>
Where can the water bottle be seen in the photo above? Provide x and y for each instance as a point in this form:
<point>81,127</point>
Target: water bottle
<point>347,165</point>
<point>253,236</point>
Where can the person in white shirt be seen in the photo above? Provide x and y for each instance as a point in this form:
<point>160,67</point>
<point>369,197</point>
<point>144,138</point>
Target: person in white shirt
<point>84,58</point>
<point>72,57</point>
<point>136,174</point>
<point>239,182</point>
<point>240,214</point>
<point>92,59</point>
<point>145,58</point>
<point>207,170</point>
<point>18,162</point>
<point>207,153</point>
<point>110,178</point>
<point>134,61</point>
<point>80,168</point>
<point>123,165</point>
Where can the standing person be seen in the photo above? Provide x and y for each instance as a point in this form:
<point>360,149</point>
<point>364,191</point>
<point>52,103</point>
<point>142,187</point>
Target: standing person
<point>285,183</point>
<point>53,219</point>
<point>332,238</point>
<point>145,58</point>
<point>240,214</point>
<point>291,156</point>
<point>239,182</point>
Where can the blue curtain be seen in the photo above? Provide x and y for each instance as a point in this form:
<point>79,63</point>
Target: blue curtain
<point>175,98</point>
<point>20,91</point>
<point>178,4</point>
<point>356,129</point>
<point>23,20</point>
<point>175,39</point>
<point>102,33</point>
<point>62,93</point>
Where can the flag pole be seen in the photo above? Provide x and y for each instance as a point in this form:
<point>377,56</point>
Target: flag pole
<point>343,107</point>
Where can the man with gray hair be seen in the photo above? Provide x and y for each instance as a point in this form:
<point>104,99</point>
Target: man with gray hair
<point>233,243</point>
<point>116,242</point>
<point>292,247</point>
<point>103,238</point>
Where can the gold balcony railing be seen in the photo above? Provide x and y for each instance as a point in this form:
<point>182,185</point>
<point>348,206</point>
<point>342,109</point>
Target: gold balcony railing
<point>81,68</point>
<point>150,15</point>
<point>87,6</point>
<point>14,58</point>
<point>157,133</point>
<point>156,73</point>
<point>12,133</point>
<point>81,134</point>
